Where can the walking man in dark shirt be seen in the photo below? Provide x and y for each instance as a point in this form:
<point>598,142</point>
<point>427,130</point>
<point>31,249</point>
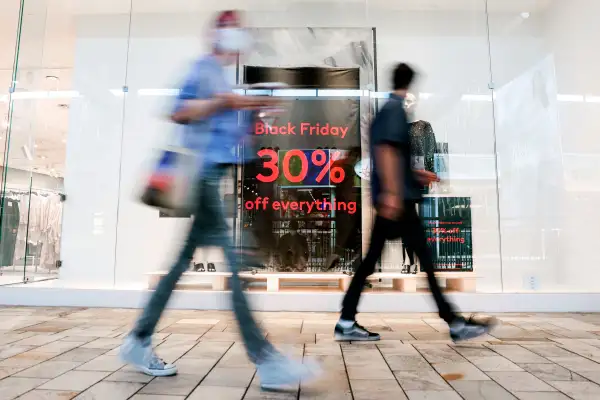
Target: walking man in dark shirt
<point>396,190</point>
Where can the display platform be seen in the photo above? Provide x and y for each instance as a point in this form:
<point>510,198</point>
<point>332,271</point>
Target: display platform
<point>456,281</point>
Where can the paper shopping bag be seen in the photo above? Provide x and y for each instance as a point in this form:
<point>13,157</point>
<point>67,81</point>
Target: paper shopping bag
<point>172,183</point>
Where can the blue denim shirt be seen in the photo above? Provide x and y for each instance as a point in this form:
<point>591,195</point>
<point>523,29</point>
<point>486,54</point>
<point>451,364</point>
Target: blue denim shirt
<point>216,138</point>
<point>391,127</point>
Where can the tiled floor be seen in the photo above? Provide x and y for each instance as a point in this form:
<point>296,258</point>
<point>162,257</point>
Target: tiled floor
<point>64,353</point>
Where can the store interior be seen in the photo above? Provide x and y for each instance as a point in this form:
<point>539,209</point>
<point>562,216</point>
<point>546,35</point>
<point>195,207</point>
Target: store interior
<point>511,101</point>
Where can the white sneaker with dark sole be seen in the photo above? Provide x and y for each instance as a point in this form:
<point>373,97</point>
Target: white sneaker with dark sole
<point>279,373</point>
<point>142,357</point>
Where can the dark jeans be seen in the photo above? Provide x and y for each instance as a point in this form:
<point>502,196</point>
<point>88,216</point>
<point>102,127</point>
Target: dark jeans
<point>209,228</point>
<point>410,229</point>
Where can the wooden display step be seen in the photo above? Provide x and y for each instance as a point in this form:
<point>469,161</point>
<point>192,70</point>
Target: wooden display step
<point>457,281</point>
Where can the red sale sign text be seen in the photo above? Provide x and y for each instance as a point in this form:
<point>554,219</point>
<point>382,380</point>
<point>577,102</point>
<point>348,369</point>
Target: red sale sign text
<point>305,129</point>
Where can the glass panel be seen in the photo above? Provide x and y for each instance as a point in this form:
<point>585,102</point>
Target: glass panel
<point>453,128</point>
<point>11,267</point>
<point>68,107</point>
<point>547,100</point>
<point>166,36</point>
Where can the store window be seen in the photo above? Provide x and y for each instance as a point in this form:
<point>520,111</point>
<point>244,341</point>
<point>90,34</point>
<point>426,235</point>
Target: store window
<point>505,112</point>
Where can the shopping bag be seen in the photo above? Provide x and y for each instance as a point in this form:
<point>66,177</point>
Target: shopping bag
<point>173,181</point>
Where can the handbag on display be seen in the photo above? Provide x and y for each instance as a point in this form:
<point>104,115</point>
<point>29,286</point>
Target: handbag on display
<point>172,183</point>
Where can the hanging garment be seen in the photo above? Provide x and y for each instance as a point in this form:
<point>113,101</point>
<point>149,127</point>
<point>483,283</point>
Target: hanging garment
<point>9,230</point>
<point>423,143</point>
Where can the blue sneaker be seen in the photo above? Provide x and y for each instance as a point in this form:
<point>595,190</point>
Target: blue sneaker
<point>141,356</point>
<point>277,372</point>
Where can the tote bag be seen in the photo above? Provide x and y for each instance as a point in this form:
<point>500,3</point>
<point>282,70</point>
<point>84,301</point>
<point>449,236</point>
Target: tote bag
<point>173,181</point>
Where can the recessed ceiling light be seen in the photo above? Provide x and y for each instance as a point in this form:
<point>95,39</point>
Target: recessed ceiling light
<point>525,15</point>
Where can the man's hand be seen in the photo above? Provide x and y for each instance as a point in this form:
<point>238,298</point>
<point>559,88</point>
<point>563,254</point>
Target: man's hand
<point>390,205</point>
<point>425,178</point>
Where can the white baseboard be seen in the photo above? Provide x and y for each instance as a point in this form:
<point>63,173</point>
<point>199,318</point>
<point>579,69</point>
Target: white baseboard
<point>298,301</point>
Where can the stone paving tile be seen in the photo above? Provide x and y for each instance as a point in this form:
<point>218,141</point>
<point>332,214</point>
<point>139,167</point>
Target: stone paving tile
<point>13,387</point>
<point>110,390</point>
<point>482,390</point>
<point>204,392</point>
<point>377,390</point>
<point>63,353</point>
<point>178,385</point>
<point>75,380</point>
<point>48,395</point>
<point>520,382</point>
<point>48,369</point>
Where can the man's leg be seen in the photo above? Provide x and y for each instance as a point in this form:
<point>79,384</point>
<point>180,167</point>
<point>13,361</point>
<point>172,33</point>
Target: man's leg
<point>219,235</point>
<point>137,347</point>
<point>413,233</point>
<point>158,301</point>
<point>274,370</point>
<point>347,328</point>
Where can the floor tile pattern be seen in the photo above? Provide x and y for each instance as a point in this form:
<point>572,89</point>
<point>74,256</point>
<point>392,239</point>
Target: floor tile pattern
<point>72,353</point>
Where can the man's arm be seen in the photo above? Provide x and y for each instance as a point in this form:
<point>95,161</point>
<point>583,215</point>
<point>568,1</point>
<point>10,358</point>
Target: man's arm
<point>390,166</point>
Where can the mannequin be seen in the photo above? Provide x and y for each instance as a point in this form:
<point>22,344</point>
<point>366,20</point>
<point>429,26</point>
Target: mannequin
<point>422,137</point>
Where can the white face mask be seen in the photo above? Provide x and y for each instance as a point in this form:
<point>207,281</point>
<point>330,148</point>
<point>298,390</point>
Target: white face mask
<point>233,40</point>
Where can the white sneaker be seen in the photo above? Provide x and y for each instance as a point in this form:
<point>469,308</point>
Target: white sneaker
<point>277,372</point>
<point>143,358</point>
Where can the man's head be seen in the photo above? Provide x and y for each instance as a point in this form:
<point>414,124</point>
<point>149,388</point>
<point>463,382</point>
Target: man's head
<point>294,226</point>
<point>402,77</point>
<point>230,37</point>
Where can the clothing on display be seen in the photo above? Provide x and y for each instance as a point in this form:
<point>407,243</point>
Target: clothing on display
<point>423,143</point>
<point>9,231</point>
<point>37,216</point>
<point>293,251</point>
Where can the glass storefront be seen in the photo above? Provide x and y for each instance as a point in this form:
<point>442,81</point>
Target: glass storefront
<point>505,112</point>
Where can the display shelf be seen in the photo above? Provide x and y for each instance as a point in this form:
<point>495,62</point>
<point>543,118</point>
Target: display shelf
<point>457,281</point>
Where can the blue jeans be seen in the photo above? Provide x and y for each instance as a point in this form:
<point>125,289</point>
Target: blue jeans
<point>209,228</point>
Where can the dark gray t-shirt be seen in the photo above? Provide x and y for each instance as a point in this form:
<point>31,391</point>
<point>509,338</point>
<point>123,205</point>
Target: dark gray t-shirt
<point>391,127</point>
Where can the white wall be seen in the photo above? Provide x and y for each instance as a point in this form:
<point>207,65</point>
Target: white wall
<point>94,147</point>
<point>548,151</point>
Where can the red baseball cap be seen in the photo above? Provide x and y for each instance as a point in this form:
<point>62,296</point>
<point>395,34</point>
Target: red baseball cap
<point>228,18</point>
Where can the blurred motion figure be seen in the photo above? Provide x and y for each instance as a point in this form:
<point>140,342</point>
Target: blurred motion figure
<point>396,190</point>
<point>210,112</point>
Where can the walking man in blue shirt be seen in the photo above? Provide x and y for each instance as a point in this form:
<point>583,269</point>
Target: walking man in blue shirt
<point>396,190</point>
<point>210,112</point>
